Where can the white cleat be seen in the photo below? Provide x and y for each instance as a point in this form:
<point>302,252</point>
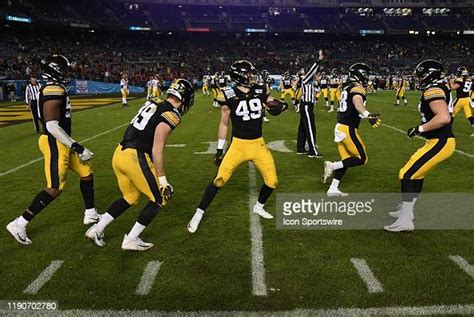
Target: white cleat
<point>19,233</point>
<point>396,213</point>
<point>262,213</point>
<point>135,244</point>
<point>399,226</point>
<point>331,110</point>
<point>335,193</point>
<point>328,171</point>
<point>96,236</point>
<point>91,217</point>
<point>265,119</point>
<point>195,221</point>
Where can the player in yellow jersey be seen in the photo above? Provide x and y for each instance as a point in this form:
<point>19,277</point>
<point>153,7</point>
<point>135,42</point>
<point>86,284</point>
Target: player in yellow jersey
<point>60,151</point>
<point>205,85</point>
<point>463,84</point>
<point>436,127</point>
<point>136,172</point>
<point>243,105</point>
<point>124,89</point>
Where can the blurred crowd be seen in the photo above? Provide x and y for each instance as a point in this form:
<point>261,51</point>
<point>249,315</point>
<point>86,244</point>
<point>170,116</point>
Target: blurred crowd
<point>104,55</point>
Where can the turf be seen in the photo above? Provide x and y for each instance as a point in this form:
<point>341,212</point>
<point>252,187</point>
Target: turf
<point>211,270</point>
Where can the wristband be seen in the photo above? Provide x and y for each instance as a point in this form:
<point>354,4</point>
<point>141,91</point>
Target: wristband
<point>162,180</point>
<point>366,114</point>
<point>220,144</point>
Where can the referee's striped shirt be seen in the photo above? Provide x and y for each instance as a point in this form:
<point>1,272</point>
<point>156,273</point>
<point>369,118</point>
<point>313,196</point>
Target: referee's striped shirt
<point>308,93</point>
<point>32,93</point>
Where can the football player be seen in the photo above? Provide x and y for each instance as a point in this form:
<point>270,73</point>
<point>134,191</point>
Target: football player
<point>436,126</point>
<point>156,87</point>
<point>136,172</point>
<point>323,84</point>
<point>267,81</point>
<point>215,88</point>
<point>124,89</point>
<point>334,89</point>
<point>463,86</point>
<point>401,85</point>
<point>149,88</point>
<point>243,105</point>
<point>297,82</point>
<point>205,85</point>
<point>350,145</point>
<point>221,82</point>
<point>286,87</point>
<point>60,151</point>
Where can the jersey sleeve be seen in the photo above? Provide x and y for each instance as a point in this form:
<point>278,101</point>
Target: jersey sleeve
<point>434,93</point>
<point>171,118</point>
<point>52,92</point>
<point>356,90</point>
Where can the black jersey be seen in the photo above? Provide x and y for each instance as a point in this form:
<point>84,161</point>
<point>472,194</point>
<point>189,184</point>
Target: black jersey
<point>222,82</point>
<point>141,131</point>
<point>347,113</point>
<point>55,91</point>
<point>465,87</point>
<point>431,93</point>
<point>246,110</point>
<point>335,82</point>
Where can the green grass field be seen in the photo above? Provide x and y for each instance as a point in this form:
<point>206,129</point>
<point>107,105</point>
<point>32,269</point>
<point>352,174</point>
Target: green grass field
<point>212,269</point>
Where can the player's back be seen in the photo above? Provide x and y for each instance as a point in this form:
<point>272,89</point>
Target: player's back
<point>465,87</point>
<point>141,131</point>
<point>347,113</point>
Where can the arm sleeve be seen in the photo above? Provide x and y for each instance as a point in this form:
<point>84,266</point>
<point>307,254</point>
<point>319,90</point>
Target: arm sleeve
<point>56,131</point>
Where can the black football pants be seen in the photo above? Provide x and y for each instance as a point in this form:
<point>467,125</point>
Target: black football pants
<point>306,129</point>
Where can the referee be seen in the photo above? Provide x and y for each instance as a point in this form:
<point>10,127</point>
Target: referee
<point>31,99</point>
<point>307,128</point>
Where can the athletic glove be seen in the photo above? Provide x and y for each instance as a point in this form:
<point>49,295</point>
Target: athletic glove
<point>374,119</point>
<point>83,153</point>
<point>219,157</point>
<point>412,132</point>
<point>166,190</point>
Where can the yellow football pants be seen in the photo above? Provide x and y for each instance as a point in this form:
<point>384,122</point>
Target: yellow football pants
<point>464,104</point>
<point>400,92</point>
<point>352,145</point>
<point>334,94</point>
<point>286,92</point>
<point>205,89</point>
<point>324,92</point>
<point>427,158</point>
<point>135,175</point>
<point>125,92</point>
<point>58,158</point>
<point>156,92</point>
<point>248,150</point>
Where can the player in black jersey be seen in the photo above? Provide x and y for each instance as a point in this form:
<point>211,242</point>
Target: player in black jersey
<point>243,105</point>
<point>60,151</point>
<point>463,85</point>
<point>136,172</point>
<point>436,126</point>
<point>350,145</point>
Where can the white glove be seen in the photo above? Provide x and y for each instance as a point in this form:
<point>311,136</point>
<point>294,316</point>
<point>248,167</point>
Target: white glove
<point>86,155</point>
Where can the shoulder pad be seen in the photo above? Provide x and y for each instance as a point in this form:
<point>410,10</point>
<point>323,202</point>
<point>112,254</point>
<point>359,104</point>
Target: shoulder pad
<point>358,90</point>
<point>172,118</point>
<point>53,90</point>
<point>433,92</point>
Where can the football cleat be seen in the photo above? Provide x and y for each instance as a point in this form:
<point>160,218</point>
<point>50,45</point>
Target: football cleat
<point>261,212</point>
<point>136,244</point>
<point>396,213</point>
<point>19,233</point>
<point>194,223</point>
<point>91,217</point>
<point>96,236</point>
<point>335,193</point>
<point>328,171</point>
<point>399,226</point>
<point>265,119</point>
<point>317,155</point>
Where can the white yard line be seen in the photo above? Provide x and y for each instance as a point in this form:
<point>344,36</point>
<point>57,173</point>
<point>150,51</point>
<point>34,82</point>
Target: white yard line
<point>366,274</point>
<point>43,278</point>
<point>148,278</point>
<point>463,264</point>
<point>404,132</point>
<point>259,287</point>
<point>461,309</point>
<point>41,158</point>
